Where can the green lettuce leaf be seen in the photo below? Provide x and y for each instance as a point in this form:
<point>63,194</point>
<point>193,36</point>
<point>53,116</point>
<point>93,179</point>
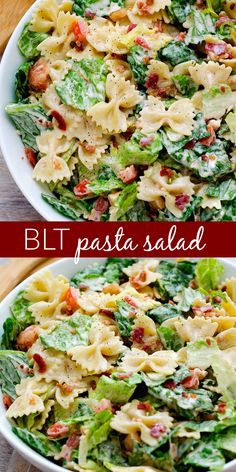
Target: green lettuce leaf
<point>126,200</point>
<point>170,338</point>
<point>64,208</point>
<point>105,182</point>
<point>174,277</point>
<point>96,277</point>
<point>225,375</point>
<point>177,52</point>
<point>206,456</point>
<point>115,390</point>
<point>30,120</point>
<point>225,191</point>
<point>98,428</point>
<point>132,152</point>
<point>208,272</point>
<point>38,441</point>
<point>136,59</point>
<point>29,41</point>
<point>82,414</point>
<point>180,9</point>
<point>164,312</point>
<point>216,101</point>
<point>124,320</point>
<point>20,319</point>
<point>200,353</point>
<point>226,213</point>
<point>187,297</point>
<point>22,82</point>
<point>84,85</point>
<point>110,451</point>
<point>202,24</point>
<point>69,334</point>
<point>226,440</point>
<point>100,7</point>
<point>139,212</point>
<point>185,85</point>
<point>14,366</point>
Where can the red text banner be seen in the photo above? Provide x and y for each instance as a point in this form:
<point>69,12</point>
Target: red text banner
<point>39,239</point>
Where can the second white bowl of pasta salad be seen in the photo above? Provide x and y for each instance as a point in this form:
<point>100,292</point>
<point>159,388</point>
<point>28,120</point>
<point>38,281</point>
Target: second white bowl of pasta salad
<point>122,365</point>
<point>126,109</point>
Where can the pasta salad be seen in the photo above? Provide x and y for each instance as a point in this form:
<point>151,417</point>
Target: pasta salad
<point>130,365</point>
<point>126,108</point>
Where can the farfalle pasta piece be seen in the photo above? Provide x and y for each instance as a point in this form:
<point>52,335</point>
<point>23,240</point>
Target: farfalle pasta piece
<point>142,301</point>
<point>92,302</point>
<point>57,71</point>
<point>226,338</point>
<point>192,329</point>
<point>147,327</point>
<point>230,286</point>
<point>119,67</point>
<point>138,468</point>
<point>111,115</point>
<point>156,188</point>
<point>209,74</point>
<point>208,202</point>
<point>46,287</point>
<point>179,117</point>
<point>90,157</point>
<point>149,8</point>
<point>25,405</point>
<point>137,424</point>
<point>45,16</point>
<point>161,362</point>
<point>105,36</point>
<point>104,345</point>
<point>142,273</point>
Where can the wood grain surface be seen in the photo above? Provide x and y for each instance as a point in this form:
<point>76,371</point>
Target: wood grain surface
<point>10,13</point>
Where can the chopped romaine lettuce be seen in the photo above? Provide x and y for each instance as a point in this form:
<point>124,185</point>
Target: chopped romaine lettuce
<point>116,390</point>
<point>20,319</point>
<point>138,59</point>
<point>97,276</point>
<point>177,52</point>
<point>38,441</point>
<point>208,272</point>
<point>126,200</point>
<point>81,414</point>
<point>180,9</point>
<point>30,121</point>
<point>63,208</point>
<point>139,212</point>
<point>68,334</point>
<point>202,25</point>
<point>22,82</point>
<point>174,277</point>
<point>216,101</point>
<point>225,191</point>
<point>185,85</point>
<point>187,297</point>
<point>98,428</point>
<point>110,451</point>
<point>170,338</point>
<point>99,8</point>
<point>14,366</point>
<point>206,456</point>
<point>133,152</point>
<point>84,85</point>
<point>29,41</point>
<point>124,320</point>
<point>164,312</point>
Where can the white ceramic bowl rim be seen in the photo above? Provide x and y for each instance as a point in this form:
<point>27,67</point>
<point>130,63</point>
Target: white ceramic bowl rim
<point>67,268</point>
<point>10,142</point>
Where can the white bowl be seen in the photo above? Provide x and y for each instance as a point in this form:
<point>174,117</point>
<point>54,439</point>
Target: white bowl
<point>67,268</point>
<point>10,142</point>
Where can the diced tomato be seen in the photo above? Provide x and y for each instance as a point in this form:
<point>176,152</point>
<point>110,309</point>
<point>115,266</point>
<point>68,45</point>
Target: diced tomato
<point>38,75</point>
<point>60,120</point>
<point>138,335</point>
<point>80,30</point>
<point>131,27</point>
<point>216,48</point>
<point>130,301</point>
<point>31,156</point>
<point>181,201</point>
<point>152,81</point>
<point>181,36</point>
<point>145,406</point>
<point>158,430</point>
<point>170,384</point>
<point>190,145</point>
<point>57,430</point>
<point>167,172</point>
<point>27,337</point>
<point>142,42</point>
<point>81,189</point>
<point>129,174</point>
<point>221,407</point>
<point>210,139</point>
<point>146,141</point>
<point>7,400</point>
<point>72,295</point>
<point>41,363</point>
<point>191,382</point>
<point>101,205</point>
<point>137,281</point>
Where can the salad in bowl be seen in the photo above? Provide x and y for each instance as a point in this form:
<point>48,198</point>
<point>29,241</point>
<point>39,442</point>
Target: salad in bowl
<point>124,365</point>
<point>126,108</point>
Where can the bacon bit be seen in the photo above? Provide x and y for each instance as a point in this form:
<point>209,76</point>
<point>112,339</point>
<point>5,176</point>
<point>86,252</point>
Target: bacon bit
<point>131,27</point>
<point>128,175</point>
<point>95,215</point>
<point>217,299</point>
<point>152,81</point>
<point>208,341</point>
<point>167,172</point>
<point>159,26</point>
<point>89,148</point>
<point>124,375</point>
<point>210,139</point>
<point>192,284</point>
<point>27,337</point>
<point>185,395</point>
<point>106,312</point>
<point>57,430</point>
<point>83,287</point>
<point>130,301</point>
<point>65,388</point>
<point>104,404</point>
<point>31,156</point>
<point>138,335</point>
<point>113,289</point>
<point>142,42</point>
<point>60,120</point>
<point>191,382</point>
<point>216,48</point>
<point>224,19</point>
<point>89,14</point>
<point>73,441</point>
<point>7,400</point>
<point>101,205</point>
<point>138,281</point>
<point>205,158</point>
<point>145,407</point>
<point>71,298</point>
<point>202,309</point>
<point>41,363</point>
<point>81,189</point>
<point>80,30</point>
<point>146,141</point>
<point>190,145</point>
<point>170,384</point>
<point>38,75</point>
<point>201,374</point>
<point>158,430</point>
<point>221,407</point>
<point>181,36</point>
<point>181,201</point>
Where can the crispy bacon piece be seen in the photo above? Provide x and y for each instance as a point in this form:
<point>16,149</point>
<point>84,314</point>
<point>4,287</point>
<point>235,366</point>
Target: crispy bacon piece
<point>31,156</point>
<point>57,430</point>
<point>80,30</point>
<point>138,335</point>
<point>137,281</point>
<point>38,75</point>
<point>142,42</point>
<point>218,49</point>
<point>81,189</point>
<point>41,363</point>
<point>129,174</point>
<point>27,337</point>
<point>7,400</point>
<point>131,27</point>
<point>152,81</point>
<point>181,201</point>
<point>60,120</point>
<point>221,407</point>
<point>146,141</point>
<point>130,301</point>
<point>191,382</point>
<point>104,404</point>
<point>171,384</point>
<point>167,172</point>
<point>145,406</point>
<point>210,139</point>
<point>158,430</point>
<point>101,205</point>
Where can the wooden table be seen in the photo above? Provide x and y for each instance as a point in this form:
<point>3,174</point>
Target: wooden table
<point>13,204</point>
